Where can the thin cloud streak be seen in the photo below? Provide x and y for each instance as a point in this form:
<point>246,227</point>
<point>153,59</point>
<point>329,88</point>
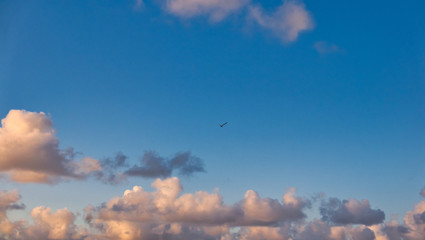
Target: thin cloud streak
<point>323,47</point>
<point>215,10</point>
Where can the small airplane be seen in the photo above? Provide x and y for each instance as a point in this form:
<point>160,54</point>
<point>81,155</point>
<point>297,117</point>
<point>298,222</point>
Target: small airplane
<point>222,125</point>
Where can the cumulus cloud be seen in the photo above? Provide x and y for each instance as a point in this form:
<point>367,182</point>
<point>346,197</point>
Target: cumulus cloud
<point>52,225</point>
<point>29,150</point>
<point>216,10</point>
<point>286,22</point>
<point>350,212</point>
<point>325,47</point>
<point>152,165</point>
<point>166,213</point>
<point>8,201</point>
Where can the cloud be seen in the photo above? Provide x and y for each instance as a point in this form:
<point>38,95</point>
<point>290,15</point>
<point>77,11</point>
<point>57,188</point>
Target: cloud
<point>52,225</point>
<point>216,10</point>
<point>350,212</point>
<point>166,213</point>
<point>286,22</point>
<point>8,201</point>
<point>363,234</point>
<point>153,166</point>
<point>30,151</point>
<point>325,47</point>
<point>110,171</point>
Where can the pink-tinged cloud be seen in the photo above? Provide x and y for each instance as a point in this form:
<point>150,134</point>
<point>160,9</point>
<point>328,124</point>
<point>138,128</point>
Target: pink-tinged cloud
<point>167,214</point>
<point>166,205</point>
<point>52,225</point>
<point>29,151</point>
<point>8,201</point>
<point>215,10</point>
<point>286,22</point>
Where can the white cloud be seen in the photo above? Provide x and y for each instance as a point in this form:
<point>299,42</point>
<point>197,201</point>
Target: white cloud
<point>286,22</point>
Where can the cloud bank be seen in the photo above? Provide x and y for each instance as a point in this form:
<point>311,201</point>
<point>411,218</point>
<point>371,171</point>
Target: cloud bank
<point>168,213</point>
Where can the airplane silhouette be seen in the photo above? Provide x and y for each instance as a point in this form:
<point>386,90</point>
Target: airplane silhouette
<point>222,125</point>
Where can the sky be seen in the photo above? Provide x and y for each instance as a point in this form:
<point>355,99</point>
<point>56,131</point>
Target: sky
<point>111,110</point>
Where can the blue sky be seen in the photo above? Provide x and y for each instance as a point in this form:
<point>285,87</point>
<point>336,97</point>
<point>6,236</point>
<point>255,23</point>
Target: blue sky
<point>339,109</point>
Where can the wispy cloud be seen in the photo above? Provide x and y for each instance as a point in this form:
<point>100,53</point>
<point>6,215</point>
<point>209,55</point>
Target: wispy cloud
<point>138,5</point>
<point>286,22</point>
<point>325,47</point>
<point>215,10</point>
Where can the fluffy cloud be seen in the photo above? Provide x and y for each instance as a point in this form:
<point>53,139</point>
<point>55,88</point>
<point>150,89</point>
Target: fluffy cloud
<point>350,212</point>
<point>52,225</point>
<point>287,22</point>
<point>153,166</point>
<point>167,214</point>
<point>46,223</point>
<point>202,213</point>
<point>216,10</point>
<point>9,200</point>
<point>29,150</point>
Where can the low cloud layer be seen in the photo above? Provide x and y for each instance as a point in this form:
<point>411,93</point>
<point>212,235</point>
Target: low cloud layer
<point>30,153</point>
<point>167,213</point>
